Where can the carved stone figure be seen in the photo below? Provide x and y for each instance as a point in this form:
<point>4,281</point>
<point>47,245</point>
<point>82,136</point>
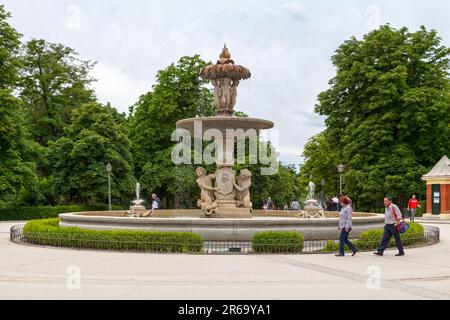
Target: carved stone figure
<point>206,184</point>
<point>217,95</point>
<point>233,94</point>
<point>312,188</point>
<point>225,95</point>
<point>225,181</point>
<point>242,185</point>
<point>225,77</point>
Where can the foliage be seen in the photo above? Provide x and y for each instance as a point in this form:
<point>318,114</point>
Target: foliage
<point>92,140</point>
<point>388,114</point>
<point>321,163</point>
<point>48,232</point>
<point>16,171</point>
<point>9,49</point>
<point>178,94</point>
<point>282,187</point>
<point>29,213</point>
<point>53,82</point>
<point>277,241</point>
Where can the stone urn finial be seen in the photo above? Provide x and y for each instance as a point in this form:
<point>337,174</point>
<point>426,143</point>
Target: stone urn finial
<point>225,76</point>
<point>225,56</point>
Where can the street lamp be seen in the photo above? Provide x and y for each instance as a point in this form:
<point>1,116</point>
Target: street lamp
<point>109,169</point>
<point>341,171</point>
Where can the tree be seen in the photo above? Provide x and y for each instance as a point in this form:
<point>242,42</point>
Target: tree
<point>388,111</point>
<point>92,140</point>
<point>54,81</point>
<point>321,160</point>
<point>16,173</point>
<point>178,94</point>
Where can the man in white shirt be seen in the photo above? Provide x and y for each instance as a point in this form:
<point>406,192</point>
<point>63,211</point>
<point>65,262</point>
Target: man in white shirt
<point>391,220</point>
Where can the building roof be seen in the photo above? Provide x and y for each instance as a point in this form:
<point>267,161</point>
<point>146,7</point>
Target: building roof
<point>440,170</point>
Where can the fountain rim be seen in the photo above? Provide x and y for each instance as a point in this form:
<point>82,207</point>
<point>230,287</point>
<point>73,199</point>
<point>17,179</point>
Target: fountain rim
<point>258,220</point>
<point>224,122</point>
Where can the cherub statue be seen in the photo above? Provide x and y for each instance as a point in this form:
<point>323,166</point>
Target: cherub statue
<point>217,94</point>
<point>242,185</point>
<point>233,95</point>
<point>206,184</point>
<point>225,94</point>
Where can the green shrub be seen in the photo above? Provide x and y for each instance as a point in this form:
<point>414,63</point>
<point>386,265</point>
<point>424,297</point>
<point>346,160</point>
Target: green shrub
<point>9,214</point>
<point>331,246</point>
<point>415,235</point>
<point>47,232</point>
<point>278,241</point>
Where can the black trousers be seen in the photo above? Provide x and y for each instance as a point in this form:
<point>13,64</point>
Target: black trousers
<point>389,231</point>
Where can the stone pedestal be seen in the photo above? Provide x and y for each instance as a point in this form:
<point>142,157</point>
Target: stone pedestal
<point>232,213</point>
<point>138,211</point>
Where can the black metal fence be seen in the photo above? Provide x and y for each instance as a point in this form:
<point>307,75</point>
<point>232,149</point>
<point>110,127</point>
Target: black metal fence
<point>431,236</point>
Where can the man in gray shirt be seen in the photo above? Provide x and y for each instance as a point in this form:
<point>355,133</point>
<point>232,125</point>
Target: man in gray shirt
<point>391,220</point>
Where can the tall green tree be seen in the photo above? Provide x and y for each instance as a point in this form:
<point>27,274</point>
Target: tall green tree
<point>92,140</point>
<point>16,172</point>
<point>388,110</point>
<point>321,160</point>
<point>54,81</point>
<point>179,93</point>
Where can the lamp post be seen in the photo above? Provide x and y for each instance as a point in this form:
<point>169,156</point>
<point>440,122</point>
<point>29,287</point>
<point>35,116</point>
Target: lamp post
<point>341,171</point>
<point>109,169</point>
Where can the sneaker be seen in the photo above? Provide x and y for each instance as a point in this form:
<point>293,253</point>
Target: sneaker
<point>399,254</point>
<point>354,253</point>
<point>378,253</point>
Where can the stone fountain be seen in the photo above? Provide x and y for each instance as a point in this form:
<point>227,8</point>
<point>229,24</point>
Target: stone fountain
<point>312,208</point>
<point>137,209</point>
<point>223,193</point>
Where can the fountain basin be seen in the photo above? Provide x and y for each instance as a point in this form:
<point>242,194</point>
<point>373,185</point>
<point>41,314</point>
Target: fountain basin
<point>222,123</point>
<point>214,229</point>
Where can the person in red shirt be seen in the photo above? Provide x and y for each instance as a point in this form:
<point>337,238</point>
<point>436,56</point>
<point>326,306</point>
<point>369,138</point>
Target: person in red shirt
<point>413,203</point>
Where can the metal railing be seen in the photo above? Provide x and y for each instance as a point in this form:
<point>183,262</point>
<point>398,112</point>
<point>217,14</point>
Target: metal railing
<point>431,236</point>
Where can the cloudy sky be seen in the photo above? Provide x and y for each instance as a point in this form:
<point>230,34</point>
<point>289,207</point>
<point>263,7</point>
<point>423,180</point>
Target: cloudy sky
<point>287,44</point>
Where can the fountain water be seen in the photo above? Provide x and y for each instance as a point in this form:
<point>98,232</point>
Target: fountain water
<point>137,209</point>
<point>312,208</point>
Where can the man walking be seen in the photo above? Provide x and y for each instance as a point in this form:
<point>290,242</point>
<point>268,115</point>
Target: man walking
<point>413,203</point>
<point>391,220</point>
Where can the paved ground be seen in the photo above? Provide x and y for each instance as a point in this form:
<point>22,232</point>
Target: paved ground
<point>50,273</point>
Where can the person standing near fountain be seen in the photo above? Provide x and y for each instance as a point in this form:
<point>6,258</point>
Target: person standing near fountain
<point>345,227</point>
<point>270,204</point>
<point>156,202</point>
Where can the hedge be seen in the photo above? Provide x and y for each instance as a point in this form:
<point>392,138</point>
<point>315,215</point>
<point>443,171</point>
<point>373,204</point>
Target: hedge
<point>277,242</point>
<point>370,240</point>
<point>30,213</point>
<point>47,232</point>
